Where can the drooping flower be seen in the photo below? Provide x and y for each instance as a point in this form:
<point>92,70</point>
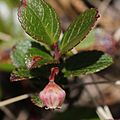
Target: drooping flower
<point>52,95</point>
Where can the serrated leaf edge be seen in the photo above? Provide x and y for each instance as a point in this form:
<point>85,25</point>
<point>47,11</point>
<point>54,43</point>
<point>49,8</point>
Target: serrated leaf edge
<point>91,27</point>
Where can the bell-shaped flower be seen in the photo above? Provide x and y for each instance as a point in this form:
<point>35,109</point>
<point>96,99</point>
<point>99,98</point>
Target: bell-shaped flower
<point>52,96</point>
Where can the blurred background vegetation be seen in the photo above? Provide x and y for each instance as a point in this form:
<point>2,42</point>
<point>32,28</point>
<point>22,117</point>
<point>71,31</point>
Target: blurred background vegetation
<point>83,100</point>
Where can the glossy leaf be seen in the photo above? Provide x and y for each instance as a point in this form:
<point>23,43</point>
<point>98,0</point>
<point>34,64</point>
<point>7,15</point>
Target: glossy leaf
<point>25,52</point>
<point>86,63</point>
<point>20,74</point>
<point>86,44</point>
<point>19,51</point>
<point>36,100</point>
<point>40,21</point>
<point>78,30</point>
<point>25,74</point>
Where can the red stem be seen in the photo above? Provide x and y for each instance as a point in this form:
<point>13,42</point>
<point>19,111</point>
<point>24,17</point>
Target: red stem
<point>54,72</point>
<point>57,54</point>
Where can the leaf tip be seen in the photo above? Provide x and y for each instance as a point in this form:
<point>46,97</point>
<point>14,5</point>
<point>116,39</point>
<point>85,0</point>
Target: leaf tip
<point>97,14</point>
<point>23,4</point>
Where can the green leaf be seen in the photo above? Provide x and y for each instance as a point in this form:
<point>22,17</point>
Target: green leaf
<point>36,100</point>
<point>25,50</point>
<point>36,57</point>
<point>78,30</point>
<point>19,51</point>
<point>40,21</point>
<point>25,74</point>
<point>86,44</point>
<point>20,74</point>
<point>86,63</point>
<point>89,41</point>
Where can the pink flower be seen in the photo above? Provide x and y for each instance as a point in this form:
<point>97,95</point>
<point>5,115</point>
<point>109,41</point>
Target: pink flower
<point>52,95</point>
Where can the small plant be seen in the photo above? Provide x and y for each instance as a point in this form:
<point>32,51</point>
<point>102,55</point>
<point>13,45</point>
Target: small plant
<point>48,57</point>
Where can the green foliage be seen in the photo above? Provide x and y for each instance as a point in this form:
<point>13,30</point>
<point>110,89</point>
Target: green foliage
<point>87,42</point>
<point>21,74</point>
<point>78,30</point>
<point>35,53</point>
<point>36,100</point>
<point>35,60</point>
<point>40,21</point>
<point>26,50</point>
<point>19,52</point>
<point>86,63</point>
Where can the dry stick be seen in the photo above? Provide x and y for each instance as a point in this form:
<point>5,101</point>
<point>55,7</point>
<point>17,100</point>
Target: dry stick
<point>12,100</point>
<point>8,113</point>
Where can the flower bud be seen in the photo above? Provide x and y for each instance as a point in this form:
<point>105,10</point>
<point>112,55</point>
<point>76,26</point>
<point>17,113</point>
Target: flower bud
<point>52,95</point>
